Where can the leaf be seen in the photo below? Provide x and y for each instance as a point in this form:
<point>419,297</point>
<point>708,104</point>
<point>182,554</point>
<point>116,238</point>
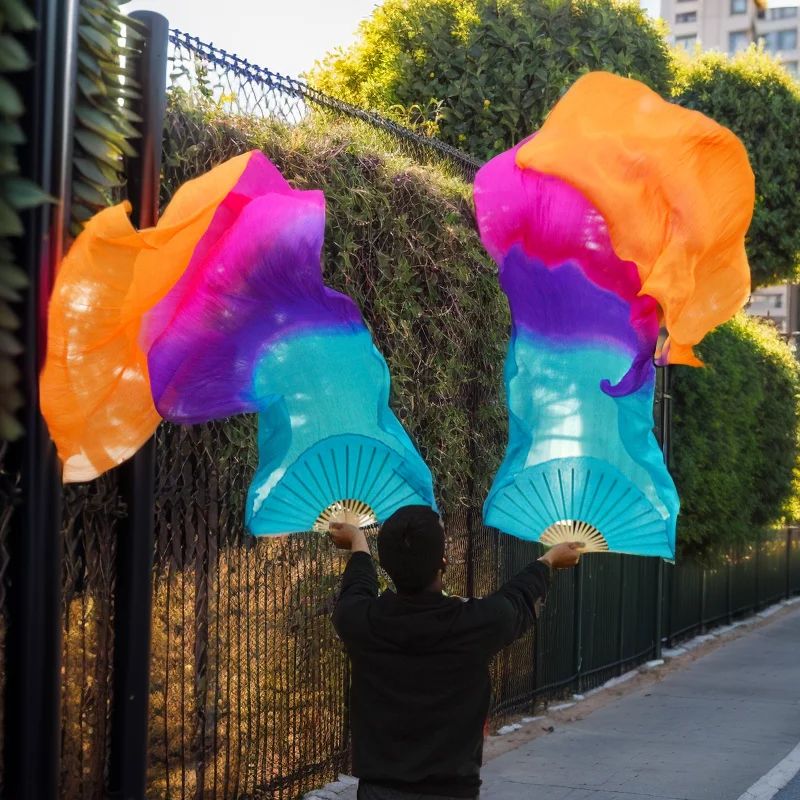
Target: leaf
<point>8,319</point>
<point>81,213</point>
<point>9,344</point>
<point>90,63</point>
<point>10,428</point>
<point>10,101</point>
<point>9,373</point>
<point>22,193</point>
<point>10,223</point>
<point>129,114</point>
<point>17,15</point>
<point>98,173</point>
<point>88,195</point>
<point>95,120</point>
<point>10,295</point>
<point>97,42</point>
<point>91,87</point>
<point>8,160</point>
<point>98,147</point>
<point>11,133</point>
<point>13,277</point>
<point>13,56</point>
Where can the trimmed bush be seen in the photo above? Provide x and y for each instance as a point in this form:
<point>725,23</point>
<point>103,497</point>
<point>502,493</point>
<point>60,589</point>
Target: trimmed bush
<point>483,74</point>
<point>401,241</point>
<point>754,96</point>
<point>735,428</point>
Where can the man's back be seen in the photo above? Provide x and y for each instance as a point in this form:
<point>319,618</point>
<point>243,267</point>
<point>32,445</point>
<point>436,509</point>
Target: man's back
<point>420,680</point>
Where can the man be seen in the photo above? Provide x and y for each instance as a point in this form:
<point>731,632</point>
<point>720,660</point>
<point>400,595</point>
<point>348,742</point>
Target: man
<point>420,660</point>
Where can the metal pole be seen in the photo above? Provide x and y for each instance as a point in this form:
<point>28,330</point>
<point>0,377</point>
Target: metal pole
<point>757,606</point>
<point>621,617</point>
<point>665,421</point>
<point>659,622</point>
<point>31,720</point>
<point>703,593</point>
<point>578,624</point>
<point>127,770</point>
<point>788,563</point>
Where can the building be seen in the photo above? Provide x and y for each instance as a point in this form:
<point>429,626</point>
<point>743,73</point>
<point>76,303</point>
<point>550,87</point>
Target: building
<point>733,25</point>
<point>779,304</point>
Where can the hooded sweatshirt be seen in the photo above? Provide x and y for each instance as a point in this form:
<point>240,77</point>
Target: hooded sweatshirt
<point>420,689</point>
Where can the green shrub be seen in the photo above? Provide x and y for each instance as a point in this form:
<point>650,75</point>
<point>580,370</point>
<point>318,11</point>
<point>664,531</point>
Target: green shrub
<point>401,241</point>
<point>754,96</point>
<point>487,72</point>
<point>735,427</point>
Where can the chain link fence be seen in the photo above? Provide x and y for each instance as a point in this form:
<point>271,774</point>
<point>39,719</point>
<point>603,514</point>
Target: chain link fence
<point>249,685</point>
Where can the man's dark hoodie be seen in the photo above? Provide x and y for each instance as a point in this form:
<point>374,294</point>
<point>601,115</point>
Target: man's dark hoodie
<point>420,676</point>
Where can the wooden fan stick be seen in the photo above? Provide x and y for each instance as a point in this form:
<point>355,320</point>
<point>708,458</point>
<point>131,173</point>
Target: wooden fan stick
<point>575,531</point>
<point>349,512</point>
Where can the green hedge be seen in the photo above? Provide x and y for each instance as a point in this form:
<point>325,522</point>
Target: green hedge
<point>401,241</point>
<point>735,427</point>
<point>754,96</point>
<point>483,74</point>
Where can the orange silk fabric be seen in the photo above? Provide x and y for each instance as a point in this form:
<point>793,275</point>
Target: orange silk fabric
<point>675,189</point>
<point>100,410</point>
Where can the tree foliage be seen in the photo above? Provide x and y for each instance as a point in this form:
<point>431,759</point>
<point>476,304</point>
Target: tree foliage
<point>735,429</point>
<point>487,72</point>
<point>104,118</point>
<point>754,96</point>
<point>400,240</point>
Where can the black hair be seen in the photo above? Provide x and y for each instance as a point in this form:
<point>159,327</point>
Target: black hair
<point>411,548</point>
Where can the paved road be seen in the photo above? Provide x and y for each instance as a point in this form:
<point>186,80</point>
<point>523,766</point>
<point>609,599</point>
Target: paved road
<point>707,732</point>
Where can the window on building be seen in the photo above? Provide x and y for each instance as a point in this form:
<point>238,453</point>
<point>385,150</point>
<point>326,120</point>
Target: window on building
<point>686,42</point>
<point>791,67</point>
<point>738,6</point>
<point>780,41</point>
<point>771,14</point>
<point>689,16</point>
<point>738,41</point>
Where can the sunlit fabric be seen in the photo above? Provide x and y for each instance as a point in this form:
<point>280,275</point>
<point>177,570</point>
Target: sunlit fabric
<point>579,373</point>
<point>95,388</point>
<point>675,189</point>
<point>252,328</point>
<point>219,310</point>
<point>623,212</point>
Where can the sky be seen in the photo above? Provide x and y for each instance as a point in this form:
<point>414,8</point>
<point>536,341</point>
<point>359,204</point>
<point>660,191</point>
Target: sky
<point>285,36</point>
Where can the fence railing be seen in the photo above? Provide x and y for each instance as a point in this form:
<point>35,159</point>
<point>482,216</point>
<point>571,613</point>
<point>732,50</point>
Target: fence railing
<point>245,89</point>
<point>248,683</point>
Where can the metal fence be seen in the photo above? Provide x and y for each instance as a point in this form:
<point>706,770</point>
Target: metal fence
<point>248,683</point>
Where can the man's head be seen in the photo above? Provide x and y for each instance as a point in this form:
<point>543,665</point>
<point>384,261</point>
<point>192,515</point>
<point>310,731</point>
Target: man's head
<point>411,549</point>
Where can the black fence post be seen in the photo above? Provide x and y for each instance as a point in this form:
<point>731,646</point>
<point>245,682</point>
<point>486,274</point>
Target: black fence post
<point>128,747</point>
<point>730,589</point>
<point>621,616</point>
<point>757,606</point>
<point>665,423</point>
<point>659,620</point>
<point>788,563</point>
<point>578,624</point>
<point>31,720</point>
<point>703,601</point>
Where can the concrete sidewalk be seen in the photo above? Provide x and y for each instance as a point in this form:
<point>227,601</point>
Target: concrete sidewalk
<point>707,732</point>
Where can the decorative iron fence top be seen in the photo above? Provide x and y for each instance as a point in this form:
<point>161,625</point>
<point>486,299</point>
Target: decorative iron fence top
<point>258,82</point>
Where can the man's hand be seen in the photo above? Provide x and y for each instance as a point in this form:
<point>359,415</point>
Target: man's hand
<point>348,537</point>
<point>562,556</point>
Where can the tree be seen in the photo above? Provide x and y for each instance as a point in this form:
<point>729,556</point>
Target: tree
<point>487,72</point>
<point>754,96</point>
<point>735,427</point>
